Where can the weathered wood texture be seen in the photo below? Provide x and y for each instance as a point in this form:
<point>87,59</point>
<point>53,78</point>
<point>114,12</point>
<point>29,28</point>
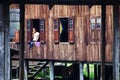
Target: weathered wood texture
<point>82,49</point>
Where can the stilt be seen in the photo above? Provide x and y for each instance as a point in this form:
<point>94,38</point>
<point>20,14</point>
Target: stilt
<point>81,71</point>
<point>103,41</point>
<point>22,44</point>
<point>88,71</point>
<point>95,72</point>
<point>116,39</point>
<point>26,68</point>
<point>51,70</point>
<point>99,72</point>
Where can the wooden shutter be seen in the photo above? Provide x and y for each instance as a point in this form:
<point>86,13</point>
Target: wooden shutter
<point>93,31</point>
<point>71,30</point>
<point>42,30</point>
<point>16,35</point>
<point>29,30</point>
<point>56,30</point>
<point>98,29</point>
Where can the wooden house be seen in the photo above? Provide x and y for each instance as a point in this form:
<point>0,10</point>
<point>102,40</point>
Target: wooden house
<point>79,31</point>
<point>67,32</point>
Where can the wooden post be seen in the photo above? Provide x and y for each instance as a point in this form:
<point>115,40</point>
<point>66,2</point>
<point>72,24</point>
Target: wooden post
<point>2,44</point>
<point>4,41</point>
<point>95,72</point>
<point>22,44</point>
<point>99,72</point>
<point>88,71</point>
<point>26,70</point>
<point>116,42</point>
<point>81,71</point>
<point>51,70</point>
<point>103,43</point>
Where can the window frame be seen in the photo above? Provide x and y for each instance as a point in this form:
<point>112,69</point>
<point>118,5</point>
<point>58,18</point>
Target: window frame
<point>95,30</point>
<point>57,29</point>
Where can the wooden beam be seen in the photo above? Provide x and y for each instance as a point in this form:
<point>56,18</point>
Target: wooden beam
<point>40,69</point>
<point>67,2</point>
<point>103,43</point>
<point>116,42</point>
<point>51,70</point>
<point>22,44</point>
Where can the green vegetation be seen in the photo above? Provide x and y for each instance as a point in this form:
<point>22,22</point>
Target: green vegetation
<point>45,74</point>
<point>91,68</point>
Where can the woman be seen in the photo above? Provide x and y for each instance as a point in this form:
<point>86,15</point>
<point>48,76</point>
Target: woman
<point>35,36</point>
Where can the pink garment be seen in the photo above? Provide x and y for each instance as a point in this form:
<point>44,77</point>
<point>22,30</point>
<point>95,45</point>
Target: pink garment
<point>37,44</point>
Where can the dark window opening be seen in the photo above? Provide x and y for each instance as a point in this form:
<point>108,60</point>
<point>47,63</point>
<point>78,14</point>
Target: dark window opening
<point>63,29</point>
<point>36,24</point>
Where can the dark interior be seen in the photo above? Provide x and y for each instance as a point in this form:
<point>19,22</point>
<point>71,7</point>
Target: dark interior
<point>64,33</point>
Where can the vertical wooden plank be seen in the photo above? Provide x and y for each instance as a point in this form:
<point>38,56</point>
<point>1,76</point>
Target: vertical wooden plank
<point>21,58</point>
<point>116,42</point>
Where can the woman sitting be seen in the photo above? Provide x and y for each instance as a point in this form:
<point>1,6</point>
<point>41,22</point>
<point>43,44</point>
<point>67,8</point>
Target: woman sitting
<point>35,36</point>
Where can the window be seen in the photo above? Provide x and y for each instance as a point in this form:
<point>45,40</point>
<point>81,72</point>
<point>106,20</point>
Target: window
<point>63,30</point>
<point>39,25</point>
<point>95,29</point>
<point>14,24</point>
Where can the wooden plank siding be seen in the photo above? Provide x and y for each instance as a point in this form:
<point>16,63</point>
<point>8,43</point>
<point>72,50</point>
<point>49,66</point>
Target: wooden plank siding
<point>82,49</point>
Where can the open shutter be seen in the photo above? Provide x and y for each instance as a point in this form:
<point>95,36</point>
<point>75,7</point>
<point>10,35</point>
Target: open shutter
<point>98,29</point>
<point>16,35</point>
<point>71,30</point>
<point>42,30</point>
<point>56,30</point>
<point>29,30</point>
<point>92,27</point>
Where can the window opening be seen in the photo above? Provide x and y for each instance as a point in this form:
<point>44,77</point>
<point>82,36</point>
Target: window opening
<point>14,24</point>
<point>36,25</point>
<point>63,29</point>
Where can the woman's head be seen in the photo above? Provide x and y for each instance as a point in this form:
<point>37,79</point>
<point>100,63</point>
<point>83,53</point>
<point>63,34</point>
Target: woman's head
<point>34,30</point>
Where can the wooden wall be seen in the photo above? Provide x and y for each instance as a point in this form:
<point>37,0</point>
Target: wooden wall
<point>82,49</point>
